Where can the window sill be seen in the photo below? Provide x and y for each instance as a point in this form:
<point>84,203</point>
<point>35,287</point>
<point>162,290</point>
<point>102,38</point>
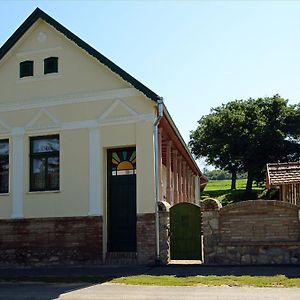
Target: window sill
<point>4,194</point>
<point>44,192</point>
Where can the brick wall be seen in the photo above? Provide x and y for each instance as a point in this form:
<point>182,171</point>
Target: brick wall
<point>259,221</point>
<point>251,232</point>
<point>51,240</point>
<point>145,231</point>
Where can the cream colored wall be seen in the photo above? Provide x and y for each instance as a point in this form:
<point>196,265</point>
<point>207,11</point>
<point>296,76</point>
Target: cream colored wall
<point>72,199</point>
<point>124,120</point>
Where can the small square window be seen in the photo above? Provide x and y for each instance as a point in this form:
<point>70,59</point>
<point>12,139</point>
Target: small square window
<point>26,68</point>
<point>51,65</point>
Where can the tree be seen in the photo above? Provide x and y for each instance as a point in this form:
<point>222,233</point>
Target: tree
<point>248,134</point>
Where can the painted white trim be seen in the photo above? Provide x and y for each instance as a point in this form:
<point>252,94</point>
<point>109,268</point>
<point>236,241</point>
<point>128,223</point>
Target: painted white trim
<point>33,52</point>
<point>117,103</point>
<point>17,172</point>
<point>128,119</point>
<point>56,122</point>
<point>72,99</point>
<point>80,124</point>
<point>5,126</point>
<point>94,172</point>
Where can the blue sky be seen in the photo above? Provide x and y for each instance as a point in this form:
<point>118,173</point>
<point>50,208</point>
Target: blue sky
<point>196,54</point>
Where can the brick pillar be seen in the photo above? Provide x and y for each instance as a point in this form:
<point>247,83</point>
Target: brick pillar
<point>168,161</point>
<point>175,172</point>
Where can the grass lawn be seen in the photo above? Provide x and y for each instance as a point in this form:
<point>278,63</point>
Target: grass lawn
<point>211,280</point>
<point>220,189</point>
<point>171,280</point>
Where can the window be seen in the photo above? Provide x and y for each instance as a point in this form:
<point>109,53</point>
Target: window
<point>44,163</point>
<point>51,65</point>
<point>26,68</point>
<point>4,166</point>
<point>123,162</point>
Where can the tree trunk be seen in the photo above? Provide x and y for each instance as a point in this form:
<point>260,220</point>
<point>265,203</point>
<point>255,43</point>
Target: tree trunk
<point>233,179</point>
<point>249,182</point>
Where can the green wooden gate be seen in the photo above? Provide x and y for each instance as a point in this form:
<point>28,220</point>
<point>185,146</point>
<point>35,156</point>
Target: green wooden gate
<point>185,223</point>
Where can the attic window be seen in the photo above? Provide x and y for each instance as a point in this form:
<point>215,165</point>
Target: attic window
<point>51,65</point>
<point>26,68</point>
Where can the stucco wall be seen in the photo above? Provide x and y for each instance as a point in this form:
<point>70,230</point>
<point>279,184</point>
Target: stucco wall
<point>84,94</point>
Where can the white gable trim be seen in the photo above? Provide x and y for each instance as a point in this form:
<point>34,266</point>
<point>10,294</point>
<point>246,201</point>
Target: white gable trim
<point>56,123</point>
<point>117,103</point>
<point>73,99</point>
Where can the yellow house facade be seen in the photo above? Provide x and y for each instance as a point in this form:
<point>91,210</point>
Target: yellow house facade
<point>86,152</point>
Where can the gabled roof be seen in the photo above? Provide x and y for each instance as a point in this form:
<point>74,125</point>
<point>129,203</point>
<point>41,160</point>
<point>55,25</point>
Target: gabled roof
<point>283,173</point>
<point>39,14</point>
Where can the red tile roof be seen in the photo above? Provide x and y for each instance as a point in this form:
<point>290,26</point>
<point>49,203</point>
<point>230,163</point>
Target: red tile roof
<point>283,173</point>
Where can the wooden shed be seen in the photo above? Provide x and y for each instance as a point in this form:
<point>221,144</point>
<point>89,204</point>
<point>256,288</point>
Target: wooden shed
<point>285,176</point>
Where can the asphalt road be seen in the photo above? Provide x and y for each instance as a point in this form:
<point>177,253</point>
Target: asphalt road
<point>108,291</point>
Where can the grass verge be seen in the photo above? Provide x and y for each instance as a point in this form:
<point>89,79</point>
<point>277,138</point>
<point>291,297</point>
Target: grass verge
<point>211,280</point>
<point>171,280</point>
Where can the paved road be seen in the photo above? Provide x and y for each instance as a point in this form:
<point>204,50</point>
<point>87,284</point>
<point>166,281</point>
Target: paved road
<point>36,291</point>
<point>108,291</point>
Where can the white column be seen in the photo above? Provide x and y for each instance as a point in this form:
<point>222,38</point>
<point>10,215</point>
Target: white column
<point>17,172</point>
<point>95,172</point>
<point>197,190</point>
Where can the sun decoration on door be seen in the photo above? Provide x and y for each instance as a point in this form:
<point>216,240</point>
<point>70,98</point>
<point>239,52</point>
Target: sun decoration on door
<point>123,162</point>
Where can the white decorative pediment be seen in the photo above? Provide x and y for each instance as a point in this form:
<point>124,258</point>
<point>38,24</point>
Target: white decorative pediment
<point>43,120</point>
<point>118,110</point>
<point>4,127</point>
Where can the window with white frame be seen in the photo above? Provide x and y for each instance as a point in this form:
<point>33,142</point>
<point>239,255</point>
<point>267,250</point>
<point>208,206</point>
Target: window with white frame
<point>44,163</point>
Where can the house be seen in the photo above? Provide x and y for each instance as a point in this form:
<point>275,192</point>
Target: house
<point>86,151</point>
<point>285,176</point>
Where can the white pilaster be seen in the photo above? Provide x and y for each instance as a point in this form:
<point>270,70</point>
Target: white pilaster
<point>95,180</point>
<point>197,190</point>
<point>17,172</point>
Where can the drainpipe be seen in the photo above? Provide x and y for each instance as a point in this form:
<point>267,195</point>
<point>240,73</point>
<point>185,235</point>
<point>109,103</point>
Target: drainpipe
<point>160,113</point>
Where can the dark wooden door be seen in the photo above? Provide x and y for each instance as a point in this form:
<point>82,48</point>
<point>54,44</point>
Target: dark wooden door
<point>185,223</point>
<point>121,200</point>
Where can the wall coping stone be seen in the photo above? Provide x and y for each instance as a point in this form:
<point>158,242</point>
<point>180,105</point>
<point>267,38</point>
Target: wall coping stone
<point>211,204</point>
<point>260,202</point>
<point>164,206</point>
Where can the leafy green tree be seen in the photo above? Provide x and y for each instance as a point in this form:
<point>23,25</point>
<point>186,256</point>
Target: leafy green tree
<point>248,134</point>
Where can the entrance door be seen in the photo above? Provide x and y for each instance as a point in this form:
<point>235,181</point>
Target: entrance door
<point>121,200</point>
<point>185,223</point>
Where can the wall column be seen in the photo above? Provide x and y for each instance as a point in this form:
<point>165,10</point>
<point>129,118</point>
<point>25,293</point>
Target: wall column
<point>169,179</point>
<point>184,195</point>
<point>17,172</point>
<point>95,169</point>
<point>179,178</point>
<point>175,172</point>
<point>160,164</point>
<point>197,190</point>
